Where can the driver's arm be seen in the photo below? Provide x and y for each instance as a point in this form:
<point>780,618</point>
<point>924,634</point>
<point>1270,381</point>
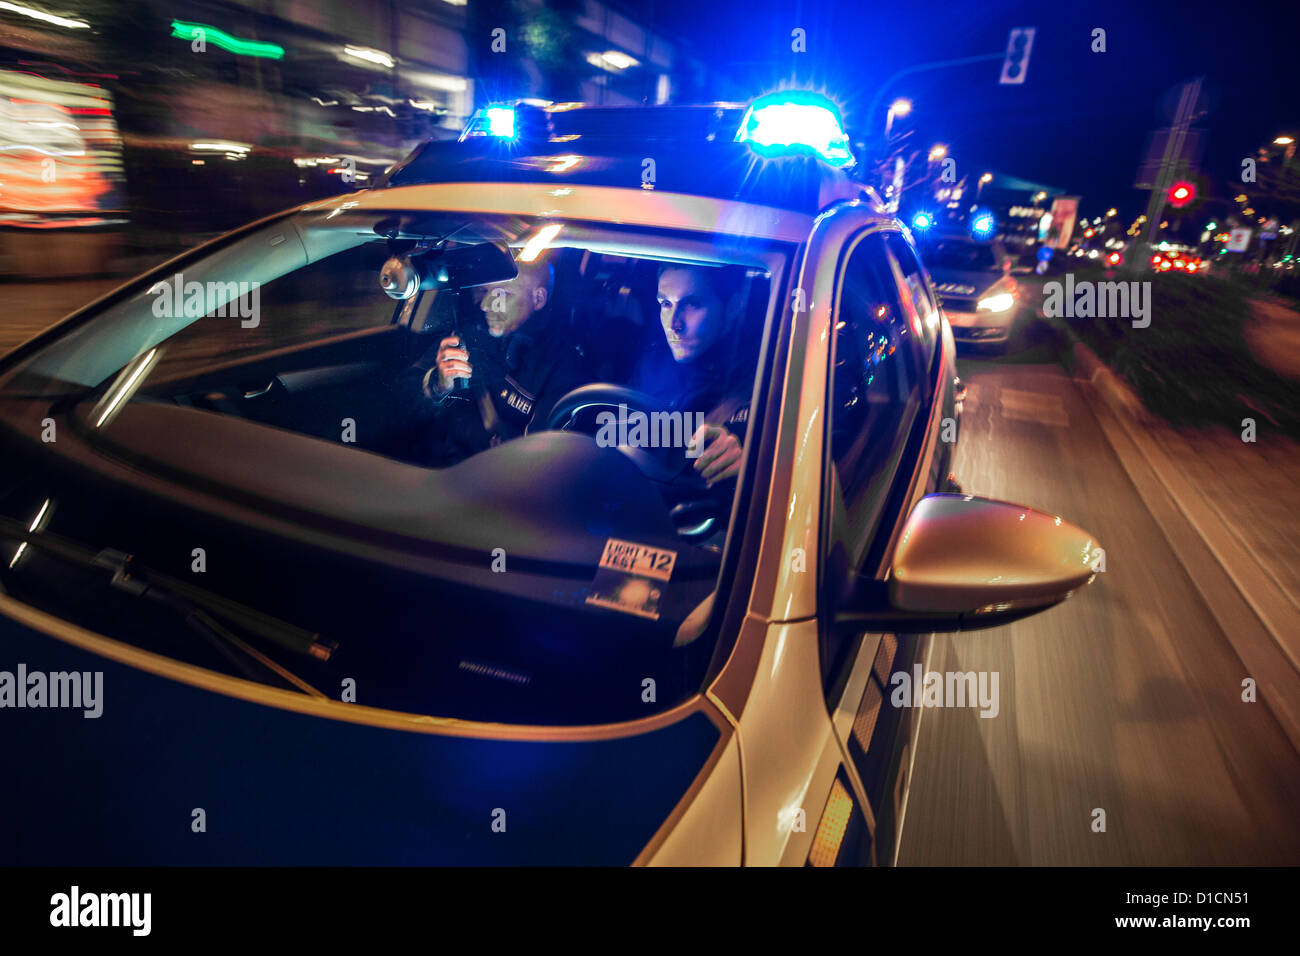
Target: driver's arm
<point>721,448</point>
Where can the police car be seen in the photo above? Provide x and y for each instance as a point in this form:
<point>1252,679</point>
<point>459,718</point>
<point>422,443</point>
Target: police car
<point>561,650</point>
<point>973,277</point>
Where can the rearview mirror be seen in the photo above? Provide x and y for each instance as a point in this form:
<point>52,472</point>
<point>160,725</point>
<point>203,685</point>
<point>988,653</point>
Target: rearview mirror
<point>463,267</point>
<point>965,563</point>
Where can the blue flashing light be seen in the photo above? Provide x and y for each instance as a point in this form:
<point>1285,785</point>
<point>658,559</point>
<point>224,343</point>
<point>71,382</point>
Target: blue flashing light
<point>983,223</point>
<point>781,124</point>
<point>922,221</point>
<point>500,121</point>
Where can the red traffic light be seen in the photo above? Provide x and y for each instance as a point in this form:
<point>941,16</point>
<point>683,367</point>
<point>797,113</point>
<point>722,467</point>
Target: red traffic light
<point>1180,194</point>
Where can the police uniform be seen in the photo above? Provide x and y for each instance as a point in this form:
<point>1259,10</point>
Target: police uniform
<point>716,382</point>
<point>516,380</point>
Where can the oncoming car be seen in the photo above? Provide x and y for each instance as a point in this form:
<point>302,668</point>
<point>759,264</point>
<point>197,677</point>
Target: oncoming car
<point>979,296</point>
<point>566,646</point>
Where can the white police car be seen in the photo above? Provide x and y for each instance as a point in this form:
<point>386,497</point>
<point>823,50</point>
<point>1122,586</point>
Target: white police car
<point>533,655</point>
<point>979,295</point>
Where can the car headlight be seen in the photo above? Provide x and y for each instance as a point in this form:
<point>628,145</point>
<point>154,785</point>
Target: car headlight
<point>996,303</point>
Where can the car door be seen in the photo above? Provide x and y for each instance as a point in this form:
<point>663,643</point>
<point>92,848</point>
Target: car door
<point>883,374</point>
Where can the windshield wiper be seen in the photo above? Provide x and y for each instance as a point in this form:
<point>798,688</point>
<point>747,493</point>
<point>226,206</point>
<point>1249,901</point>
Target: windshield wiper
<point>197,607</point>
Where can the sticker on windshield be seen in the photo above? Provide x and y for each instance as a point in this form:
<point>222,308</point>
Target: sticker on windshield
<point>631,578</point>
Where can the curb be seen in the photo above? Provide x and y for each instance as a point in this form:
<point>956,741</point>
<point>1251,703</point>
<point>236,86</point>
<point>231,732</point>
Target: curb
<point>1269,646</point>
<point>1118,394</point>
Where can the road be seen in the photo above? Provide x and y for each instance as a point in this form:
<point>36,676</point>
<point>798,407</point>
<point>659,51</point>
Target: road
<point>1125,699</point>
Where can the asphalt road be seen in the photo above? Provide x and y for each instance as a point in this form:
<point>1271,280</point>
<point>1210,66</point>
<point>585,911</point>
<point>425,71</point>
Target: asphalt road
<point>1125,699</point>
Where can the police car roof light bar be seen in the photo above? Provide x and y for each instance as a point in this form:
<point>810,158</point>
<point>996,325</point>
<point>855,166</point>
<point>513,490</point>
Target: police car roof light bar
<point>508,123</point>
<point>791,122</point>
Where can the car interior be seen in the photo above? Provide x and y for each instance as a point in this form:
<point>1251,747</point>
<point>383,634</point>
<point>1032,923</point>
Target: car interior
<point>329,347</point>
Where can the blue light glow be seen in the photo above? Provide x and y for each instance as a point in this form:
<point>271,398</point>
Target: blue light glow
<point>780,124</point>
<point>922,221</point>
<point>982,224</point>
<point>500,121</point>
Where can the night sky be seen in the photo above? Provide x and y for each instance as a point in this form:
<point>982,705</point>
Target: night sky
<point>1082,120</point>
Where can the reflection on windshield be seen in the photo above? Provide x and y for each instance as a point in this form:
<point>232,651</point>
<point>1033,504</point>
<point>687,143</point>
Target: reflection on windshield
<point>560,448</point>
<point>961,256</point>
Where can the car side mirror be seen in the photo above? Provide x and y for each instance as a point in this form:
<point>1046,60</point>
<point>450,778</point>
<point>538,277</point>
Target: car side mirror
<point>966,563</point>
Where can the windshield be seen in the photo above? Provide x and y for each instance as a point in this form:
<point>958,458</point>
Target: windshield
<point>960,255</point>
<point>514,445</point>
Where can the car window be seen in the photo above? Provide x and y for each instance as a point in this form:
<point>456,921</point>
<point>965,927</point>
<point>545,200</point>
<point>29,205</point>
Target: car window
<point>915,288</point>
<point>962,255</point>
<point>876,382</point>
<point>333,295</point>
<point>876,397</point>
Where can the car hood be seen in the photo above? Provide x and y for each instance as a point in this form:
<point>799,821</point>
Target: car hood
<point>963,284</point>
<point>284,780</point>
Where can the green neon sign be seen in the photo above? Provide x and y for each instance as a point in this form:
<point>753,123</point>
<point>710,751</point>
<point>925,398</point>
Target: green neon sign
<point>195,31</point>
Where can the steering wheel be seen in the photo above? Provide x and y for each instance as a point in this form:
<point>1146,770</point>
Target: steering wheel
<point>695,509</point>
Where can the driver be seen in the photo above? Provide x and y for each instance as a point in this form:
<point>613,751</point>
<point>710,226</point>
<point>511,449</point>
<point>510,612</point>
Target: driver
<point>516,364</point>
<point>707,366</point>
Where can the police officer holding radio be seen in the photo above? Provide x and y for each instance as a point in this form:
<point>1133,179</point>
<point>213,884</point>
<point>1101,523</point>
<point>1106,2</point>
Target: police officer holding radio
<point>472,391</point>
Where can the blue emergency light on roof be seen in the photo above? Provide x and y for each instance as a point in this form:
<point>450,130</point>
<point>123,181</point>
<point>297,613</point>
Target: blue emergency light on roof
<point>501,121</point>
<point>781,124</point>
<point>497,122</point>
<point>922,221</point>
<point>982,224</point>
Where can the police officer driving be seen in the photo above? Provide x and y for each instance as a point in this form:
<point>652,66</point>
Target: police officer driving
<point>708,366</point>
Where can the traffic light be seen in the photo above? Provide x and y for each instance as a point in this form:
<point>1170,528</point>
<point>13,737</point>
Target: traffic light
<point>1016,63</point>
<point>1180,194</point>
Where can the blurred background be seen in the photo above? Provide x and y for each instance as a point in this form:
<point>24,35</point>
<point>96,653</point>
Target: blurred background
<point>131,128</point>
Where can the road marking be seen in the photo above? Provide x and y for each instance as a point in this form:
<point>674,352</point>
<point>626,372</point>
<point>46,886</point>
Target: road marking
<point>1041,407</point>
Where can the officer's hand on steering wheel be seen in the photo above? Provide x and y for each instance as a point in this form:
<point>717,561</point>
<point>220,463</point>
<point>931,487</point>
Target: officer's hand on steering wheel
<point>720,454</point>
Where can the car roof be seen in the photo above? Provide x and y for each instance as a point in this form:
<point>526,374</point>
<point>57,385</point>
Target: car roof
<point>623,206</point>
<point>687,151</point>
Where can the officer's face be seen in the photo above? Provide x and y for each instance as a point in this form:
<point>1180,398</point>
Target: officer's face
<point>691,313</point>
<point>508,305</point>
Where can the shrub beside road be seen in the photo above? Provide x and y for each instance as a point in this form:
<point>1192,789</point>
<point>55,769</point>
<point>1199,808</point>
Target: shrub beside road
<point>1193,365</point>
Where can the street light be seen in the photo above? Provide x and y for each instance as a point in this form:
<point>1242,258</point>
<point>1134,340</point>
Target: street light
<point>1112,211</point>
<point>899,107</point>
<point>1039,197</point>
<point>1283,141</point>
<point>937,152</point>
